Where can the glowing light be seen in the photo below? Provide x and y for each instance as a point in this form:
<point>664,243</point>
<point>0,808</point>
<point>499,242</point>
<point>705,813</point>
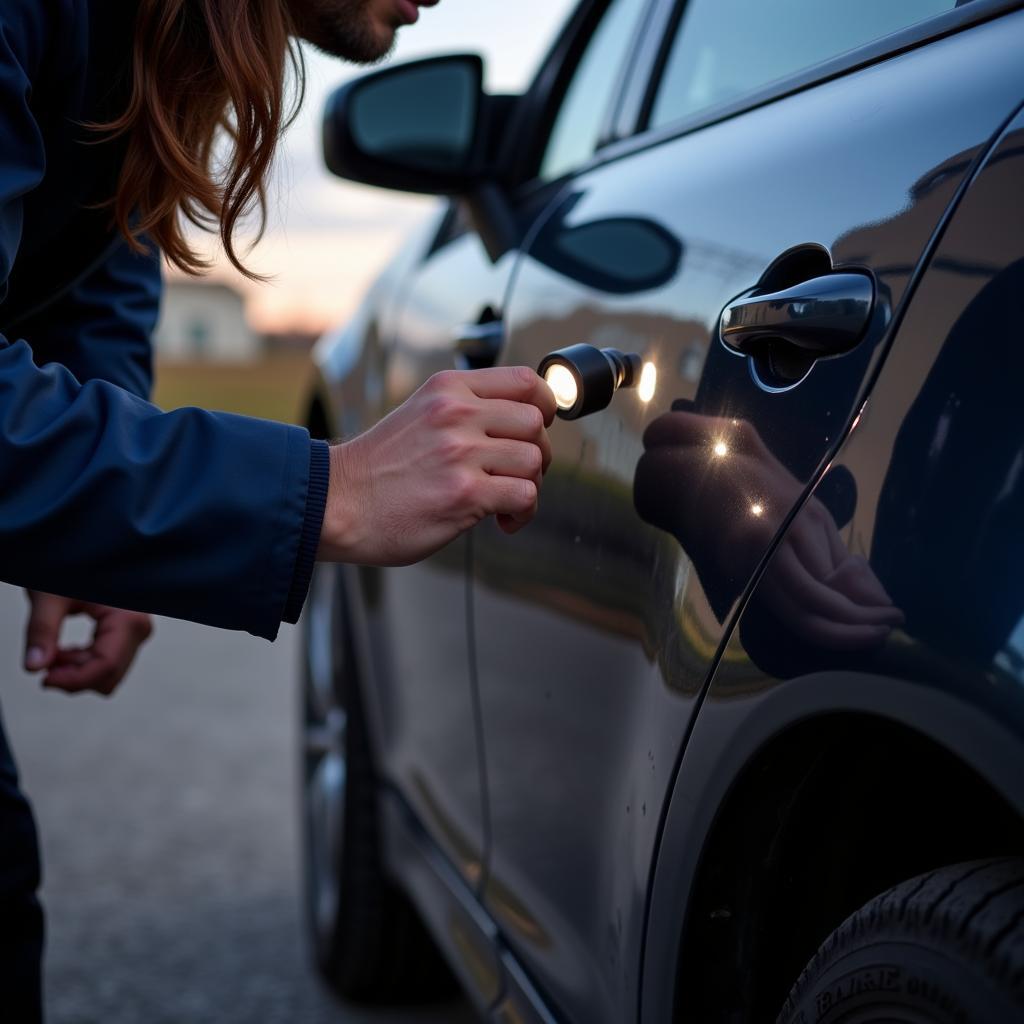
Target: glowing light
<point>757,509</point>
<point>721,449</point>
<point>563,385</point>
<point>648,382</point>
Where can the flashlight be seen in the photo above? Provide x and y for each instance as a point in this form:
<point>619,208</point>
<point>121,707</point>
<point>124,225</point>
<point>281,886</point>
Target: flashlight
<point>583,378</point>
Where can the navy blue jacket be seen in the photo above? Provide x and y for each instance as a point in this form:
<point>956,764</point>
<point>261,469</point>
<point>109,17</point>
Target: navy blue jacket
<point>198,515</point>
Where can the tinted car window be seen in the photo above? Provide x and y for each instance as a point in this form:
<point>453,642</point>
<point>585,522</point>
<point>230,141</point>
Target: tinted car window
<point>574,136</point>
<point>725,48</point>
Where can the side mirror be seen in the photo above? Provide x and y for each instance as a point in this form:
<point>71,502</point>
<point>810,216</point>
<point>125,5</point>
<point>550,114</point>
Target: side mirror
<point>415,127</point>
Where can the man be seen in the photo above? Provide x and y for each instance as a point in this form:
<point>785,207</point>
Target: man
<point>110,112</point>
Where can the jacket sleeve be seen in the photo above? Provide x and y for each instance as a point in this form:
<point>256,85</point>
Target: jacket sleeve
<point>198,515</point>
<point>101,329</point>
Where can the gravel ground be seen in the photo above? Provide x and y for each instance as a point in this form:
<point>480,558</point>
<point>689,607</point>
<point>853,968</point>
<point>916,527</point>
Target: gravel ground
<point>168,819</point>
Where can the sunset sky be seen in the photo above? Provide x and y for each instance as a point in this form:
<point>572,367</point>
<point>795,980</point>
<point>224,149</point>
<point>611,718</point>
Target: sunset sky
<point>326,239</point>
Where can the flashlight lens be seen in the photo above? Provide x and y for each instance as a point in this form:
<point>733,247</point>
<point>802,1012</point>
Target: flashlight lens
<point>563,385</point>
<point>648,382</point>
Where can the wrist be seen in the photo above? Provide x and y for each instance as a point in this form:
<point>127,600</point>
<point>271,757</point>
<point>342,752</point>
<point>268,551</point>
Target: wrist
<point>340,535</point>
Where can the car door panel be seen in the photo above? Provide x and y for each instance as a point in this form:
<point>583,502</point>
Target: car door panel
<point>432,753</point>
<point>596,628</point>
<point>935,461</point>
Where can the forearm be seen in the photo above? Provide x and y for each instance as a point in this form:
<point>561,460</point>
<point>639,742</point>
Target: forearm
<point>191,514</point>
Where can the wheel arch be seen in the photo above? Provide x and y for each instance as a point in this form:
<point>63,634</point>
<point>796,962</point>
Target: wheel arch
<point>797,805</point>
<point>358,586</point>
<point>319,420</point>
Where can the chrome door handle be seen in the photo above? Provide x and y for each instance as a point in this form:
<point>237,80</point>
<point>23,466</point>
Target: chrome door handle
<point>478,346</point>
<point>824,316</point>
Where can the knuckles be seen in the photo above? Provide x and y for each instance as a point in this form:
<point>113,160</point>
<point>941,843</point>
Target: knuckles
<point>525,496</point>
<point>463,490</point>
<point>535,460</point>
<point>524,376</point>
<point>533,419</point>
<point>445,410</point>
<point>452,449</point>
<point>442,381</point>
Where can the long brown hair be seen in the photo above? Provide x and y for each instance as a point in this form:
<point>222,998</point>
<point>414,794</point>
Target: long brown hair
<point>203,70</point>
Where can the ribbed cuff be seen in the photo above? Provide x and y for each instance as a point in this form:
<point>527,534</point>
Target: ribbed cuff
<point>316,502</point>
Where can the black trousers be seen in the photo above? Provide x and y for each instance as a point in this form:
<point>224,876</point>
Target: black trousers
<point>21,916</point>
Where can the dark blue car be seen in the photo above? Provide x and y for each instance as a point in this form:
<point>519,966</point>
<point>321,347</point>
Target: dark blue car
<point>734,731</point>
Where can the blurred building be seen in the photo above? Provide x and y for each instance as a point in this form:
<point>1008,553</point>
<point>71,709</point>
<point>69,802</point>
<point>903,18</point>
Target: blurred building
<point>205,320</point>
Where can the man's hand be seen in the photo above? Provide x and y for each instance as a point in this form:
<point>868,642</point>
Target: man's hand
<point>467,445</point>
<point>100,666</point>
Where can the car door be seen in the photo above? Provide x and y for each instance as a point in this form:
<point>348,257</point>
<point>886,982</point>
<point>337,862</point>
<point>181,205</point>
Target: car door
<point>753,245</point>
<point>934,538</point>
<point>451,315</point>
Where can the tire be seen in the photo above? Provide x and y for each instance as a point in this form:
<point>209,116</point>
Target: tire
<point>368,942</point>
<point>946,947</point>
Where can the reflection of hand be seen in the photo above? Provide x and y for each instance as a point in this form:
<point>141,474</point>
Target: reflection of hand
<point>102,664</point>
<point>714,485</point>
<point>465,446</point>
<point>821,592</point>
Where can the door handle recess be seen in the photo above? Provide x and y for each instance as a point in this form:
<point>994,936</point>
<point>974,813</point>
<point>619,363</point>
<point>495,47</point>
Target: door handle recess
<point>477,346</point>
<point>824,316</point>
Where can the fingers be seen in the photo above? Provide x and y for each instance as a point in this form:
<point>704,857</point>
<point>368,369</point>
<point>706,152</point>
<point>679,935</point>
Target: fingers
<point>513,458</point>
<point>719,435</point>
<point>833,636</point>
<point>80,670</point>
<point>519,422</point>
<point>814,538</point>
<point>512,499</point>
<point>42,633</point>
<point>819,614</point>
<point>103,665</point>
<point>855,578</point>
<point>792,580</point>
<point>679,429</point>
<point>513,383</point>
<point>521,453</point>
<point>507,524</point>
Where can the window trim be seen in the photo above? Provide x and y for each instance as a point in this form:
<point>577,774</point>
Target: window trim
<point>521,152</point>
<point>637,88</point>
<point>633,53</point>
<point>527,140</point>
<point>964,15</point>
<point>642,67</point>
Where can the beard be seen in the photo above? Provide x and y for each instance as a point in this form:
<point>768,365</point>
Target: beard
<point>345,29</point>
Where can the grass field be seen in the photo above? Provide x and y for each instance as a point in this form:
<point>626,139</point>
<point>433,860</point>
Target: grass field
<point>274,388</point>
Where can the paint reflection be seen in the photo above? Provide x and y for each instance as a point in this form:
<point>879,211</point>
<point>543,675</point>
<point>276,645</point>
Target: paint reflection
<point>948,537</point>
<point>615,255</point>
<point>713,484</point>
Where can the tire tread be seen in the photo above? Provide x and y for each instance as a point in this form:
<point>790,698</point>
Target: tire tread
<point>956,905</point>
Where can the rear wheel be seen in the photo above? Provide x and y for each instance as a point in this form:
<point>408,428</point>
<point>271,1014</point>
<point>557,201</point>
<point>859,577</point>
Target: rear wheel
<point>368,941</point>
<point>946,947</point>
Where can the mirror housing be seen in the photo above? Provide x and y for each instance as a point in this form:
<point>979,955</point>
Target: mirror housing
<point>414,127</point>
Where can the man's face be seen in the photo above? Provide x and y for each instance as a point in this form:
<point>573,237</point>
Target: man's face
<point>362,31</point>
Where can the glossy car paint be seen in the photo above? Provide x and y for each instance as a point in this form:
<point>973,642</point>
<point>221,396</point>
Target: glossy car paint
<point>415,620</point>
<point>596,629</point>
<point>412,628</point>
<point>598,626</point>
<point>936,461</point>
<point>444,284</point>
